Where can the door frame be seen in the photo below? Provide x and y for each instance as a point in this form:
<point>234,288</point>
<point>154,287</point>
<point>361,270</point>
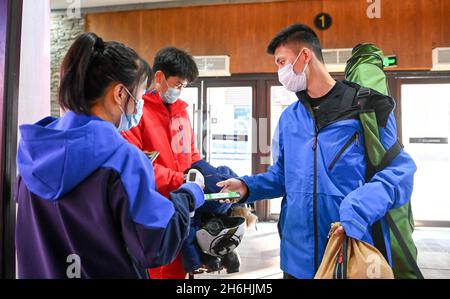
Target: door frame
<point>8,136</point>
<point>197,114</point>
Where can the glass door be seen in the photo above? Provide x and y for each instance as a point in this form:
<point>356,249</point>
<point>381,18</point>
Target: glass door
<point>425,112</point>
<point>228,127</point>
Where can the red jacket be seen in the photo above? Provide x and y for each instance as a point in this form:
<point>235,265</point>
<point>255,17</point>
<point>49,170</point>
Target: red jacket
<point>169,131</point>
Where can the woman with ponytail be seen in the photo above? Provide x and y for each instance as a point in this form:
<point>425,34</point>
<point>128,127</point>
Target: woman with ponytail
<point>87,205</point>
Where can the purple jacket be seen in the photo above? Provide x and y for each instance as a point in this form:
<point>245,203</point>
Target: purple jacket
<point>87,205</point>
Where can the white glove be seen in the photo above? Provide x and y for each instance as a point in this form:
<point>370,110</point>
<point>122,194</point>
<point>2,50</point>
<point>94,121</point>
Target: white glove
<point>195,176</point>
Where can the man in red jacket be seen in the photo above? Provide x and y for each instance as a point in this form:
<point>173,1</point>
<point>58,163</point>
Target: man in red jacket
<point>165,127</point>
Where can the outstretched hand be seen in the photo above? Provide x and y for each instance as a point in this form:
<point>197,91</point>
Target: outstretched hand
<point>233,185</point>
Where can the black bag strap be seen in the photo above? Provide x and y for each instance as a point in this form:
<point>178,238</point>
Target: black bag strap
<point>362,95</point>
<point>390,155</point>
<point>378,239</point>
<point>341,262</point>
<point>348,98</point>
<point>345,257</point>
<point>403,246</point>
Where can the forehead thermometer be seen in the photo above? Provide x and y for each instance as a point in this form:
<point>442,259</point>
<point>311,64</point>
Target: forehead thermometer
<point>195,176</point>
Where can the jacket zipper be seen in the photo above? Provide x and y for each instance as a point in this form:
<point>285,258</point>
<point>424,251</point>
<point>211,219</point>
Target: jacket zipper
<point>341,152</point>
<point>316,243</point>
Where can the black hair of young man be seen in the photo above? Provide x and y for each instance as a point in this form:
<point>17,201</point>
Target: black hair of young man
<point>296,34</point>
<point>175,62</point>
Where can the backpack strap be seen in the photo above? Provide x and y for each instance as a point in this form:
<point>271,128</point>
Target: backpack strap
<point>348,98</point>
<point>362,95</point>
<point>378,239</point>
<point>390,155</point>
<point>403,245</point>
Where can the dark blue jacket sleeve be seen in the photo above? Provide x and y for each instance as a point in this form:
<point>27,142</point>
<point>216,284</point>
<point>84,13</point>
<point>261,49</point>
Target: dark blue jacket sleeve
<point>154,246</point>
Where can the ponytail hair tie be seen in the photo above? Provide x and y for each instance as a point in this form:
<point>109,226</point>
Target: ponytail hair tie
<point>99,45</point>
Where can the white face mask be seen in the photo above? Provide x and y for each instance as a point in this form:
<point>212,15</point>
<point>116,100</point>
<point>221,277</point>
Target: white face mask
<point>171,95</point>
<point>290,80</point>
<point>130,121</point>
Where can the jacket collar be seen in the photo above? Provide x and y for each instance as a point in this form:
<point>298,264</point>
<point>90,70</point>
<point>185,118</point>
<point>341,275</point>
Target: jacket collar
<point>331,110</point>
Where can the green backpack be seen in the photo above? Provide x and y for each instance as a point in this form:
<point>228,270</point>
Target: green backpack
<point>365,67</point>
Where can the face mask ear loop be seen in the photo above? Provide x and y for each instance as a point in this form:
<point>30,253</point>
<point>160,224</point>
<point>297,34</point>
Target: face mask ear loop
<point>121,109</point>
<point>298,56</point>
<point>296,59</point>
<point>134,100</point>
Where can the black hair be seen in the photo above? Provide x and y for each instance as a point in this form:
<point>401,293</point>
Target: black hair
<point>91,65</point>
<point>175,62</point>
<point>296,33</point>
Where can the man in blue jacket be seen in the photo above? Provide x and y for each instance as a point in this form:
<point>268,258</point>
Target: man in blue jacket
<point>320,161</point>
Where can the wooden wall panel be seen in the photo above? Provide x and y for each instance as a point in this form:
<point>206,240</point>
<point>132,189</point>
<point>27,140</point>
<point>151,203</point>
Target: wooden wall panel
<point>124,27</point>
<point>439,16</point>
<point>403,29</point>
<point>408,28</point>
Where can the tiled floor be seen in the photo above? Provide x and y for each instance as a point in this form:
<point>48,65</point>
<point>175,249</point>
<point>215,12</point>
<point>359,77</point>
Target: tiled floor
<point>434,251</point>
<point>259,253</point>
